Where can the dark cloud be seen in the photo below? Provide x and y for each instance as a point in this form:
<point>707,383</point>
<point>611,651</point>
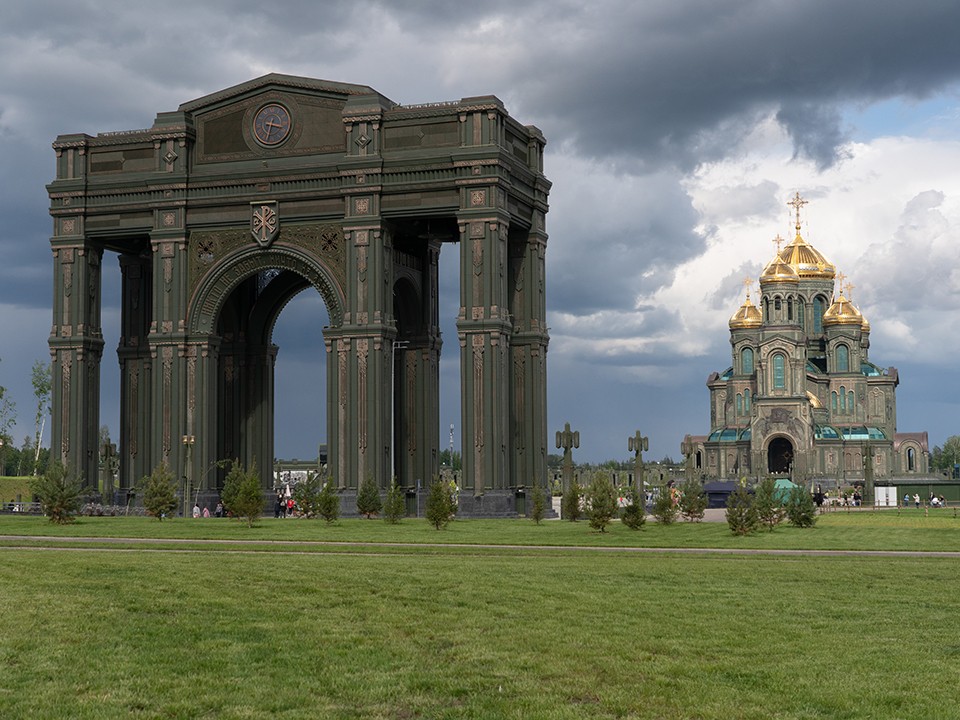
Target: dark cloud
<point>666,82</point>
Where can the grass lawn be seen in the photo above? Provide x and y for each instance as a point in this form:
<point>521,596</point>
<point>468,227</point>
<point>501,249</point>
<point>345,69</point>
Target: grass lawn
<point>498,633</point>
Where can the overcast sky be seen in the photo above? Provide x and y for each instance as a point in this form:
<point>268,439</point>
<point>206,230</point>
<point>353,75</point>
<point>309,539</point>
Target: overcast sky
<point>676,132</point>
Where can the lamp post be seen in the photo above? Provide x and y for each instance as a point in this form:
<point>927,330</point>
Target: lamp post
<point>188,441</point>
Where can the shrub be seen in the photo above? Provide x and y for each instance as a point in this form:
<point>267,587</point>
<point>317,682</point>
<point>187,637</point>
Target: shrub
<point>441,505</point>
<point>601,501</point>
<point>801,510</point>
<point>58,492</point>
<point>741,515</point>
<point>538,504</point>
<point>306,494</point>
<point>368,498</point>
<point>159,491</point>
<point>243,494</point>
<point>634,515</point>
<point>770,510</point>
<point>664,509</point>
<point>693,500</point>
<point>395,507</point>
<point>570,506</point>
<point>328,502</point>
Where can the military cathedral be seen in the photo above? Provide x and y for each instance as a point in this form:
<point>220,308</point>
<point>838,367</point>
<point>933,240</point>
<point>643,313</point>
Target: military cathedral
<point>802,396</point>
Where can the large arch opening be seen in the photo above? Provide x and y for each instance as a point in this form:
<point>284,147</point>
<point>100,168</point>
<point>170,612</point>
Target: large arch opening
<point>779,455</point>
<point>300,371</point>
<point>250,419</point>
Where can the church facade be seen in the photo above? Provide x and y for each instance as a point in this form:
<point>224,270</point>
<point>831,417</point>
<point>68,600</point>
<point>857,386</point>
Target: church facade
<point>802,396</point>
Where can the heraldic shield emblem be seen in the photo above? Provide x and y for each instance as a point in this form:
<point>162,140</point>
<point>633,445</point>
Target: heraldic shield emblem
<point>264,222</point>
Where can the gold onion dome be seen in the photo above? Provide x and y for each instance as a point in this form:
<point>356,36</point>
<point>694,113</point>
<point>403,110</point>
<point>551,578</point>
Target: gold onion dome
<point>748,316</point>
<point>778,271</point>
<point>806,260</point>
<point>865,325</point>
<point>842,312</point>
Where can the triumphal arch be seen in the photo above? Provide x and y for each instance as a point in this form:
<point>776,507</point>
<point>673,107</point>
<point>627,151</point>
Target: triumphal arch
<point>225,209</point>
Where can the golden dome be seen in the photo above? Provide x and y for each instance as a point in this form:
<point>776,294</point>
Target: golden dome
<point>865,325</point>
<point>814,400</point>
<point>778,271</point>
<point>806,260</point>
<point>842,312</point>
<point>748,316</point>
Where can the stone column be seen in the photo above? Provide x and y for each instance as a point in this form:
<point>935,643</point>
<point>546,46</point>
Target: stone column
<point>166,341</point>
<point>484,328</point>
<point>364,349</point>
<point>528,351</point>
<point>76,347</point>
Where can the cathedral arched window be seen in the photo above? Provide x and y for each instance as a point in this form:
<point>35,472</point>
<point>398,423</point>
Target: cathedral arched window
<point>779,373</point>
<point>777,304</point>
<point>746,361</point>
<point>766,310</point>
<point>833,401</point>
<point>789,308</point>
<point>843,399</point>
<point>739,404</point>
<point>850,406</point>
<point>818,304</point>
<point>746,401</point>
<point>843,358</point>
<point>911,460</point>
<point>800,312</point>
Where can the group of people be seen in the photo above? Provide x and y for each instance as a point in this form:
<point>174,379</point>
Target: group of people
<point>934,500</point>
<point>284,506</point>
<point>218,511</point>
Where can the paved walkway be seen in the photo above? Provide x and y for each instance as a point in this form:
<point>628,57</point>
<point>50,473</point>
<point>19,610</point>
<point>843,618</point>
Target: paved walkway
<point>89,544</point>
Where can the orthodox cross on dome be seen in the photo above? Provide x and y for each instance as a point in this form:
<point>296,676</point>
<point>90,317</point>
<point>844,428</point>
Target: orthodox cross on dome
<point>747,284</point>
<point>850,287</point>
<point>797,203</point>
<point>840,278</point>
<point>778,240</point>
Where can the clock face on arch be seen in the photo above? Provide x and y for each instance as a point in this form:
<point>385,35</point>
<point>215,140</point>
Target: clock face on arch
<point>271,124</point>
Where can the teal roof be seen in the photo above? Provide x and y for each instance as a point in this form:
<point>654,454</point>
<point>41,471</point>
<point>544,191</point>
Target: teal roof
<point>811,368</point>
<point>727,434</point>
<point>862,432</point>
<point>825,432</point>
<point>727,374</point>
<point>870,370</point>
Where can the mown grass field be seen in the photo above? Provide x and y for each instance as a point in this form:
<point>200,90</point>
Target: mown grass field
<point>285,630</point>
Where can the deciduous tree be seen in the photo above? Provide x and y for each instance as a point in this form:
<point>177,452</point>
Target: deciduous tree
<point>41,379</point>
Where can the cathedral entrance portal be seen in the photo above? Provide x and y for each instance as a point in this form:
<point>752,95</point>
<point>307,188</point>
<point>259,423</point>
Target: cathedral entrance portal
<point>225,209</point>
<point>780,455</point>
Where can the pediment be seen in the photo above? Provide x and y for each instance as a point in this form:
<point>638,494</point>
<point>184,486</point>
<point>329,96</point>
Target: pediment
<point>226,121</point>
